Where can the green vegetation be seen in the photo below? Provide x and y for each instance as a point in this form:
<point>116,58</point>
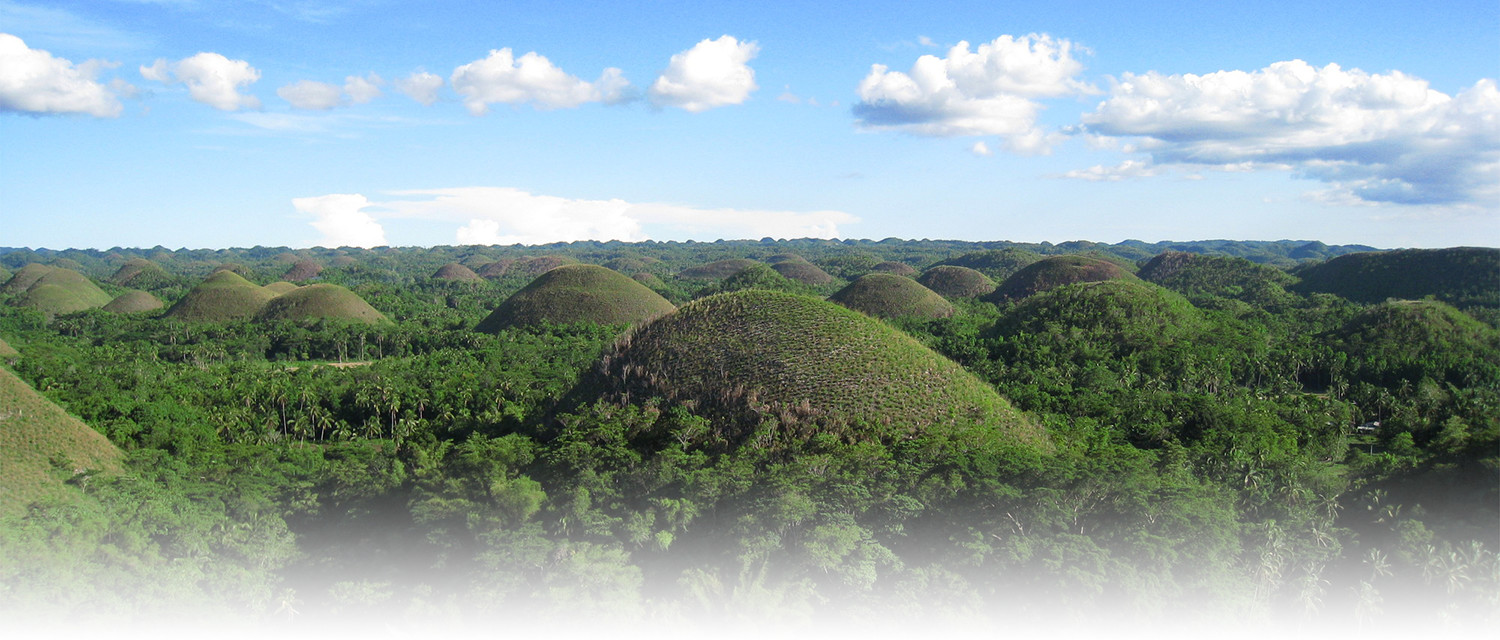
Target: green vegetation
<point>279,287</point>
<point>998,264</point>
<point>456,272</point>
<point>222,296</point>
<point>134,302</point>
<point>538,265</point>
<point>756,276</point>
<point>956,282</point>
<point>140,273</point>
<point>897,268</point>
<point>55,290</point>
<point>577,293</point>
<point>7,351</point>
<point>42,448</point>
<point>22,280</point>
<point>1462,276</point>
<point>885,295</point>
<point>1050,273</point>
<point>717,270</point>
<point>1200,277</point>
<point>302,270</point>
<point>496,269</point>
<point>319,302</point>
<point>755,356</point>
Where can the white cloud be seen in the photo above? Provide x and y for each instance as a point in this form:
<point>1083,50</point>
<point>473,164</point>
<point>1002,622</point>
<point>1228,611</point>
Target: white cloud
<point>341,218</point>
<point>362,90</point>
<point>501,215</point>
<point>533,79</point>
<point>1126,169</point>
<point>1376,137</point>
<point>308,94</point>
<point>421,86</point>
<point>211,79</point>
<point>992,90</point>
<point>714,73</point>
<point>32,81</point>
<point>981,149</point>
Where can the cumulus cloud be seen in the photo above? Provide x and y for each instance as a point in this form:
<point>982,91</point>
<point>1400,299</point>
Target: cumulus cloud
<point>502,215</point>
<point>363,89</point>
<point>211,79</point>
<point>1374,137</point>
<point>32,81</point>
<point>503,78</point>
<point>991,90</point>
<point>1126,169</point>
<point>341,218</point>
<point>317,96</point>
<point>981,149</point>
<point>308,94</point>
<point>714,73</point>
<point>421,86</point>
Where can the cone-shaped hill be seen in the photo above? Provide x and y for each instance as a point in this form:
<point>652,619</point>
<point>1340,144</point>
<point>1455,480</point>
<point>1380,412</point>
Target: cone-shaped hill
<point>745,356</point>
<point>649,279</point>
<point>998,264</point>
<point>22,279</point>
<point>302,270</point>
<point>538,265</point>
<point>885,295</point>
<point>1461,275</point>
<point>41,446</point>
<point>716,270</point>
<point>956,282</point>
<point>496,269</point>
<point>802,271</point>
<point>1126,314</point>
<point>235,267</point>
<point>140,273</point>
<point>1054,272</point>
<point>279,287</point>
<point>895,268</point>
<point>7,351</point>
<point>455,272</point>
<point>577,293</point>
<point>58,291</point>
<point>222,296</point>
<point>134,302</point>
<point>320,302</point>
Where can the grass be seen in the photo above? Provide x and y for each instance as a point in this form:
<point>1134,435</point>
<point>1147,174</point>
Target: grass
<point>752,355</point>
<point>134,302</point>
<point>140,273</point>
<point>7,351</point>
<point>577,293</point>
<point>1461,276</point>
<point>302,270</point>
<point>320,302</point>
<point>956,282</point>
<point>1131,313</point>
<point>538,265</point>
<point>998,264</point>
<point>496,269</point>
<point>279,287</point>
<point>716,270</point>
<point>42,447</point>
<point>22,280</point>
<point>886,295</point>
<point>1051,273</point>
<point>456,272</point>
<point>222,296</point>
<point>895,268</point>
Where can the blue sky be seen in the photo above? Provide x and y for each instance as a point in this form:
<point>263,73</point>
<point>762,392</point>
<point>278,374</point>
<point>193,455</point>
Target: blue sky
<point>208,123</point>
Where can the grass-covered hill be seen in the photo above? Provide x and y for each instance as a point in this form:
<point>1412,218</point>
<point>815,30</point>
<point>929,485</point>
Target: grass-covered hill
<point>42,447</point>
<point>577,293</point>
<point>496,269</point>
<point>455,272</point>
<point>716,270</point>
<point>538,265</point>
<point>321,301</point>
<point>134,302</point>
<point>7,351</point>
<point>885,295</point>
<point>302,270</point>
<point>1463,276</point>
<point>753,355</point>
<point>998,264</point>
<point>279,287</point>
<point>140,273</point>
<point>222,296</point>
<point>1127,314</point>
<point>956,282</point>
<point>55,290</point>
<point>802,271</point>
<point>756,276</point>
<point>1050,273</point>
<point>1400,335</point>
<point>893,267</point>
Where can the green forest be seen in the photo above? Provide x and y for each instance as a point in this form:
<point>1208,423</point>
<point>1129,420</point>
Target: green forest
<point>1252,435</point>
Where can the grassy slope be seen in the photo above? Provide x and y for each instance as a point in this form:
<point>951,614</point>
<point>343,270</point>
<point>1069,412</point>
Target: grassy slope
<point>998,264</point>
<point>716,270</point>
<point>754,353</point>
<point>1460,275</point>
<point>1134,314</point>
<point>802,271</point>
<point>134,302</point>
<point>59,291</point>
<point>41,446</point>
<point>456,272</point>
<point>578,293</point>
<point>320,301</point>
<point>222,296</point>
<point>888,295</point>
<point>1050,273</point>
